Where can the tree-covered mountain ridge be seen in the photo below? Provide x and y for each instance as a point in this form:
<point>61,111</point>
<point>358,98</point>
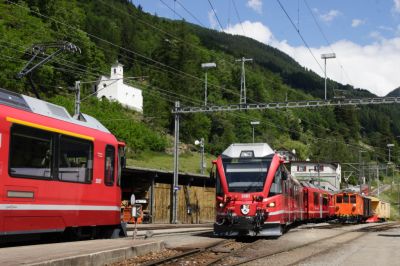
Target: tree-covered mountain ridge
<point>167,55</point>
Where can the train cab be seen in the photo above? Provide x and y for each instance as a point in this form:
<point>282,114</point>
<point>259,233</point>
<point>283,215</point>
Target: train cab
<point>254,192</point>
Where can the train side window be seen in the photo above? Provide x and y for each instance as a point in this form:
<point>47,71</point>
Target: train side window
<point>345,198</point>
<point>325,200</point>
<point>276,186</point>
<point>316,198</point>
<point>75,160</point>
<point>339,198</point>
<point>352,198</point>
<point>109,167</point>
<point>31,153</point>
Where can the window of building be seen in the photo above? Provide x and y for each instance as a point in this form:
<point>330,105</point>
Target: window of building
<point>301,168</point>
<point>321,168</point>
<point>75,160</point>
<point>109,166</point>
<point>115,71</point>
<point>31,153</point>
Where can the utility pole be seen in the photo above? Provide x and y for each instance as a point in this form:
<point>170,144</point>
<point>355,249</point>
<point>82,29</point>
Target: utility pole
<point>201,143</point>
<point>377,175</point>
<point>176,166</point>
<point>359,169</point>
<point>243,81</point>
<point>77,99</point>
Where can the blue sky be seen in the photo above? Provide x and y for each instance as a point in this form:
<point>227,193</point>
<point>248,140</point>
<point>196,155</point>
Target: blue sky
<point>365,34</point>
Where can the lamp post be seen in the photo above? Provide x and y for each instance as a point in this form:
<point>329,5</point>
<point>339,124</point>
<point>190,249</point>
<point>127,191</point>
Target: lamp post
<point>253,124</point>
<point>206,66</point>
<point>327,56</point>
<point>201,143</point>
<point>359,168</point>
<point>390,145</point>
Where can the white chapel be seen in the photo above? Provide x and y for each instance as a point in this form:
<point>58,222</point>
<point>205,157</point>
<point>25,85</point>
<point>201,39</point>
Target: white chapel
<point>114,89</point>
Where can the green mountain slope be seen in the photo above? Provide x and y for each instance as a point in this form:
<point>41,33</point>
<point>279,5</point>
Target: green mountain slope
<point>168,54</point>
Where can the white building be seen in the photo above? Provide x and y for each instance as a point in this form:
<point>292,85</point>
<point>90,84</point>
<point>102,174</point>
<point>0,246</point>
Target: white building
<point>327,175</point>
<point>114,89</point>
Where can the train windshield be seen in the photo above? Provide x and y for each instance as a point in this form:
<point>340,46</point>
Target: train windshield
<point>246,175</point>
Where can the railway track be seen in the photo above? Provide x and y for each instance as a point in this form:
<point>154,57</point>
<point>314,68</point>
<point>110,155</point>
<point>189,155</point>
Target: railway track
<point>248,255</point>
<point>232,252</point>
<point>206,256</point>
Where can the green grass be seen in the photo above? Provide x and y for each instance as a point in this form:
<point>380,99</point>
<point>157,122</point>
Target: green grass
<point>189,162</point>
<point>392,195</point>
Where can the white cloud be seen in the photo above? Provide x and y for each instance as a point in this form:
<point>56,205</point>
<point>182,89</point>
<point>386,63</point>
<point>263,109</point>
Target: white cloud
<point>373,67</point>
<point>256,5</point>
<point>357,22</point>
<point>212,19</point>
<point>396,7</point>
<point>255,30</point>
<point>328,17</point>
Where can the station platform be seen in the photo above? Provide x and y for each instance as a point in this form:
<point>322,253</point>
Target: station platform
<point>99,252</point>
<point>153,230</point>
<point>91,252</point>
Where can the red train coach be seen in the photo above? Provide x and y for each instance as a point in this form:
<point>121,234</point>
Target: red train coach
<point>57,173</point>
<point>256,195</point>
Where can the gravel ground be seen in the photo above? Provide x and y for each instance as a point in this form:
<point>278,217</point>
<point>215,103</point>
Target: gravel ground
<point>136,261</point>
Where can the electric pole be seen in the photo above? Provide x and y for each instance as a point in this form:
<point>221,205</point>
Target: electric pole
<point>77,99</point>
<point>243,81</point>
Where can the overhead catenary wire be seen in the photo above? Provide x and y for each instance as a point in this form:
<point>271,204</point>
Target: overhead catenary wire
<point>172,9</point>
<point>123,48</point>
<point>301,36</point>
<point>238,17</point>
<point>326,39</point>
<point>190,13</point>
<point>216,16</point>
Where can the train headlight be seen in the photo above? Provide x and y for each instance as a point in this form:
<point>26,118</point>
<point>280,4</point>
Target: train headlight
<point>271,204</point>
<point>221,205</point>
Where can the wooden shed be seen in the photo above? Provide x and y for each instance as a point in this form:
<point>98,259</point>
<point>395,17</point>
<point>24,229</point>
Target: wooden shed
<point>196,195</point>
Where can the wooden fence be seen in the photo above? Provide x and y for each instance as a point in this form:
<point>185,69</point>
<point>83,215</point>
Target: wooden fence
<point>195,204</point>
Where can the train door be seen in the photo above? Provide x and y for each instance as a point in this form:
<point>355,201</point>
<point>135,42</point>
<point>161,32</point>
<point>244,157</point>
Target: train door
<point>316,204</point>
<point>285,202</point>
<point>305,204</point>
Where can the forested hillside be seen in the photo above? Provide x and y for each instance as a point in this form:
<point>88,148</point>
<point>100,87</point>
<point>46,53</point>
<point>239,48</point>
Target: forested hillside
<point>167,56</point>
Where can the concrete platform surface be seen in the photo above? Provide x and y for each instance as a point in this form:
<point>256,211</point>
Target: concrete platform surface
<point>91,252</point>
<point>169,226</point>
<point>143,232</point>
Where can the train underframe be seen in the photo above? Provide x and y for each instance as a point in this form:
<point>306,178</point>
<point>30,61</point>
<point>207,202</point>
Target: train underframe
<point>229,225</point>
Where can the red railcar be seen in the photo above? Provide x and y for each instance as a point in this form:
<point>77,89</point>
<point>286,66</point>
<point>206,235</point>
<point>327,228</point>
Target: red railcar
<point>256,195</point>
<point>352,207</point>
<point>56,172</point>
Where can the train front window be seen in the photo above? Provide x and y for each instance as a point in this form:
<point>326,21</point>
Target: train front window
<point>352,198</point>
<point>345,198</point>
<point>30,152</point>
<point>339,199</point>
<point>246,175</point>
